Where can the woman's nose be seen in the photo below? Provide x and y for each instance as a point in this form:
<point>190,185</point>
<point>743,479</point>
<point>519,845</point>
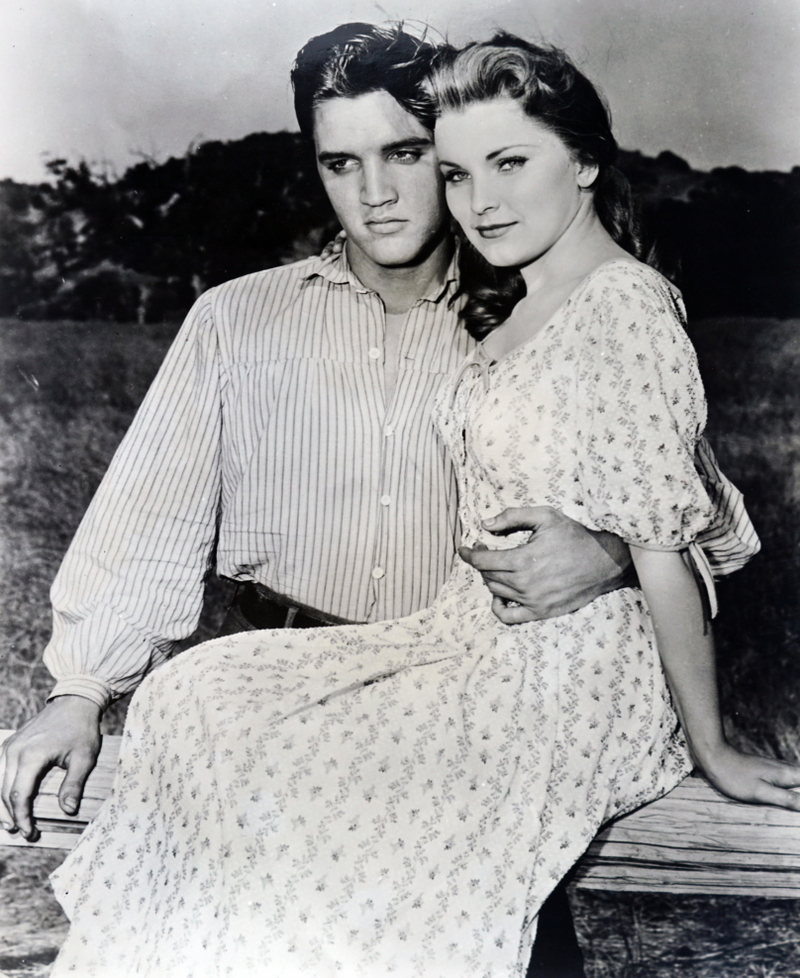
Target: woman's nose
<point>482,199</point>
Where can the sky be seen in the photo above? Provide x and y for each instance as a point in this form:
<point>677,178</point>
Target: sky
<point>110,81</point>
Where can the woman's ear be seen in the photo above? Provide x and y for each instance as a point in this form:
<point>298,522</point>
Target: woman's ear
<point>587,174</point>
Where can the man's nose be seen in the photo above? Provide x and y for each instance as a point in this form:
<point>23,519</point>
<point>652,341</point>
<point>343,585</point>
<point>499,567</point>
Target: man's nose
<point>377,188</point>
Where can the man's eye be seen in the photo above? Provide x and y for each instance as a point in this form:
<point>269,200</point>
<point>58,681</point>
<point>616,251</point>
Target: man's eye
<point>406,155</point>
<point>339,166</point>
<point>510,163</point>
<point>455,176</point>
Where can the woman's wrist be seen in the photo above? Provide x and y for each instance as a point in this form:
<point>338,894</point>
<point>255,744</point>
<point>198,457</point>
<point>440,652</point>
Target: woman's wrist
<point>711,755</point>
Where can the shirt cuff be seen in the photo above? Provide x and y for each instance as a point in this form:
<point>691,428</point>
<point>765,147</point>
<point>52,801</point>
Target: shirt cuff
<point>85,686</point>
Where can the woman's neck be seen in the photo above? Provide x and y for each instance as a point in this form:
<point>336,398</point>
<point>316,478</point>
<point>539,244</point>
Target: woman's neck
<point>581,248</point>
<point>550,280</point>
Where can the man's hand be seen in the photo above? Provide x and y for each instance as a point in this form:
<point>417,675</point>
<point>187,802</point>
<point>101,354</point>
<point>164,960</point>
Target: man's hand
<point>561,568</point>
<point>65,734</point>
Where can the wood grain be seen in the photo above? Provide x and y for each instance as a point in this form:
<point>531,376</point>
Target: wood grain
<point>693,840</point>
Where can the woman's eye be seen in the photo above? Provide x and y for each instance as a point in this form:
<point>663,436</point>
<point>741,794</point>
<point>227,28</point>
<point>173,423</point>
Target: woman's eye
<point>454,176</point>
<point>510,163</point>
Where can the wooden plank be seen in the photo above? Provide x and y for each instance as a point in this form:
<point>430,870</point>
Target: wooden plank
<point>692,840</point>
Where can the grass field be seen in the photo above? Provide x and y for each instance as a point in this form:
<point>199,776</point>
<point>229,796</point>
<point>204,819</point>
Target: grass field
<point>67,394</point>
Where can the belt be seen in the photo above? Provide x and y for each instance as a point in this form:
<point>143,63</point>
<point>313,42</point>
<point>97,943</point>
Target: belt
<point>265,608</point>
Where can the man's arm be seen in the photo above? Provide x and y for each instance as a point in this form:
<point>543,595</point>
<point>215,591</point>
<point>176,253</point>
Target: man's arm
<point>131,583</point>
<point>561,568</point>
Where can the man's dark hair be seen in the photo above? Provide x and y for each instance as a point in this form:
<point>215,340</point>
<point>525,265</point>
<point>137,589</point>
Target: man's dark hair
<point>356,59</point>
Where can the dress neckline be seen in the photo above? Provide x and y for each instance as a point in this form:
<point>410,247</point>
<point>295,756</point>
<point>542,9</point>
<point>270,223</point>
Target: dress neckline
<point>491,363</point>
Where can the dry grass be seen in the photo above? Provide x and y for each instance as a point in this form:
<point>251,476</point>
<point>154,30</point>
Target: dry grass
<point>67,393</point>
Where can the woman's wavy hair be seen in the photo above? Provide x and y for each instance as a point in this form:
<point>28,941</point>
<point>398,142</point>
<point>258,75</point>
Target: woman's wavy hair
<point>551,90</point>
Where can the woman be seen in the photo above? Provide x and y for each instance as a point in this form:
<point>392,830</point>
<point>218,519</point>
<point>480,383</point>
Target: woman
<point>399,798</point>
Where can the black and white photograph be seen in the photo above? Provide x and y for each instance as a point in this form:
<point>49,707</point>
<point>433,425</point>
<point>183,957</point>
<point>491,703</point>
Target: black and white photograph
<point>400,489</point>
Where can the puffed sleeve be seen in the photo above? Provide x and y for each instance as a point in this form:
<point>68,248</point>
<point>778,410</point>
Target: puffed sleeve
<point>642,412</point>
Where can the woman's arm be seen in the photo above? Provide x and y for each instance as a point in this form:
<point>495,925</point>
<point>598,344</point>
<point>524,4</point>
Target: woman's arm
<point>686,647</point>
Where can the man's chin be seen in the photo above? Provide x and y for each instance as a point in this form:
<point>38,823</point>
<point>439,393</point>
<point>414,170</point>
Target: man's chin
<point>396,250</point>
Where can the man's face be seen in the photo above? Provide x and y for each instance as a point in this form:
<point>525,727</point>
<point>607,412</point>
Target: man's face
<point>380,171</point>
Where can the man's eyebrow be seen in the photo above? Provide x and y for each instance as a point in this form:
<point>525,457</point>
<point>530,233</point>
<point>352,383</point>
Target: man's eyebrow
<point>413,142</point>
<point>326,157</point>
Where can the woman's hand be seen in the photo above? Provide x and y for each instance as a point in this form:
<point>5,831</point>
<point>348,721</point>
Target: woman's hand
<point>335,247</point>
<point>748,778</point>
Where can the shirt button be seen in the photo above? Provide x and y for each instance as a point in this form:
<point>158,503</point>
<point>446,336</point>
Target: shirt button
<point>374,353</point>
<point>388,432</point>
<point>385,500</point>
<point>378,573</point>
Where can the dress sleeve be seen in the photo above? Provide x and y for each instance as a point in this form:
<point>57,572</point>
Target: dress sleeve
<point>642,412</point>
<point>131,583</point>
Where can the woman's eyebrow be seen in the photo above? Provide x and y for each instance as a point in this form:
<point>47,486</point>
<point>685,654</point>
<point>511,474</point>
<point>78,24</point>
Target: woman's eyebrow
<point>504,149</point>
<point>494,154</point>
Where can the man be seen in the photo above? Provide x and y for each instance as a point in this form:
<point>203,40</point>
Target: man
<point>288,437</point>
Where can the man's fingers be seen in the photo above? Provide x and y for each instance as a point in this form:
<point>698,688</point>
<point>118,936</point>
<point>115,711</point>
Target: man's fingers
<point>71,791</point>
<point>20,797</point>
<point>490,561</point>
<point>501,590</point>
<point>511,614</point>
<point>521,518</point>
<point>9,773</point>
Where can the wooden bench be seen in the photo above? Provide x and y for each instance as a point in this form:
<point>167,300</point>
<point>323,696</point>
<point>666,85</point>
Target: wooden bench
<point>692,840</point>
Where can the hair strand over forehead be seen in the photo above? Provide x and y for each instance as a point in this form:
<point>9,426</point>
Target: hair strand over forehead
<point>356,59</point>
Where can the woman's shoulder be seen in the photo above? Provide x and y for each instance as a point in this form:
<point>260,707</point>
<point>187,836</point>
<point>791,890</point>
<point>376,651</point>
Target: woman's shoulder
<point>627,281</point>
<point>624,296</point>
<point>629,272</point>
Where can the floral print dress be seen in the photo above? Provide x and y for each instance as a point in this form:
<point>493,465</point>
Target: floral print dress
<point>399,798</point>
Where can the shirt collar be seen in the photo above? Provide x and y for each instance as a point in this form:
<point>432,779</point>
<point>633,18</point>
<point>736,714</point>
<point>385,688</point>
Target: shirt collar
<point>336,269</point>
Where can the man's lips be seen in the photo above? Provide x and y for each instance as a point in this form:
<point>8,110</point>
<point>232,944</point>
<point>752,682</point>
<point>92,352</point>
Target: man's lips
<point>493,230</point>
<point>385,225</point>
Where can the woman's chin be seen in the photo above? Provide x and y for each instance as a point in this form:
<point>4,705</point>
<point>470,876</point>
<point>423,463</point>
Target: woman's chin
<point>500,253</point>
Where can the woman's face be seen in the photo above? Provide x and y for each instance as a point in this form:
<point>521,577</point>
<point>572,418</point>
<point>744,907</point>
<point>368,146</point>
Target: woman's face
<point>510,182</point>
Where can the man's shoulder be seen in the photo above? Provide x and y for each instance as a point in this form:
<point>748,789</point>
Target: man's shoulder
<point>254,301</point>
<point>265,281</point>
<point>255,315</point>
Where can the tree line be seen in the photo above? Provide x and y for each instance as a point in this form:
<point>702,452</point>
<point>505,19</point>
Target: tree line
<point>89,244</point>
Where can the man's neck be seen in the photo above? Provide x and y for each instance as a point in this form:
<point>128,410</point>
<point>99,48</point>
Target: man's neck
<point>401,286</point>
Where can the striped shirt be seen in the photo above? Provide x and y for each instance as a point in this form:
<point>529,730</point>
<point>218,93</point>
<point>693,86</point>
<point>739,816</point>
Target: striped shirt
<point>267,444</point>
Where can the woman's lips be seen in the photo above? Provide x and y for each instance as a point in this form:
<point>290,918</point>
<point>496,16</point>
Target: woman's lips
<point>493,230</point>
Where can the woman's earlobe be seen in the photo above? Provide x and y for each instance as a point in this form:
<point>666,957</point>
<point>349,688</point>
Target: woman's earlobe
<point>587,175</point>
